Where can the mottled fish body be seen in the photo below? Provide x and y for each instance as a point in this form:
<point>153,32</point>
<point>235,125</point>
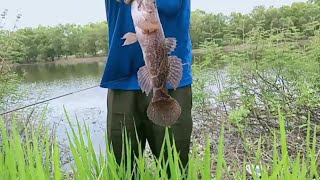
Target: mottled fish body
<point>160,67</point>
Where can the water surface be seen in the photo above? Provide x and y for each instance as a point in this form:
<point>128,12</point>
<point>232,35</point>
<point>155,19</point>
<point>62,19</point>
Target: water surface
<point>46,81</point>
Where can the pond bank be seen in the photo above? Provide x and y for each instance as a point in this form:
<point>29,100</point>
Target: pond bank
<point>75,60</point>
<point>70,60</point>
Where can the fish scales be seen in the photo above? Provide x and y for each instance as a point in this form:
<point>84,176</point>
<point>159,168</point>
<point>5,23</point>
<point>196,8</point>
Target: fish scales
<point>160,67</point>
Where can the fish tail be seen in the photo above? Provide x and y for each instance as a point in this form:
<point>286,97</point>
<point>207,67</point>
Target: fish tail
<point>163,110</point>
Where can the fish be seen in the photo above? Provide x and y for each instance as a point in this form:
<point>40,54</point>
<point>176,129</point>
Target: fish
<point>160,66</point>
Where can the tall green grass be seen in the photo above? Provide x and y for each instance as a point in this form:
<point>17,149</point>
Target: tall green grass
<point>29,157</point>
<point>38,159</point>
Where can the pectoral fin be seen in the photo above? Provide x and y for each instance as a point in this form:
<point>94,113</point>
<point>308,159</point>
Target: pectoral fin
<point>130,38</point>
<point>144,80</point>
<point>171,44</point>
<point>175,71</point>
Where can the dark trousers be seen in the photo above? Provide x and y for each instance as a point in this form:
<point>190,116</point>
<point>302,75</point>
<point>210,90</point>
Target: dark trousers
<point>127,109</point>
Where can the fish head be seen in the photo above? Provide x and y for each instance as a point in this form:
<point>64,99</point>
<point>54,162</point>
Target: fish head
<point>148,6</point>
<point>148,9</point>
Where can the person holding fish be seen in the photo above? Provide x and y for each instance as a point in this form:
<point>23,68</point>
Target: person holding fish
<point>148,74</point>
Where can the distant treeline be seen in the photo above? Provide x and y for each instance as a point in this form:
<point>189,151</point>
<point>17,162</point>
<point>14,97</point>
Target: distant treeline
<point>50,43</point>
<point>225,30</point>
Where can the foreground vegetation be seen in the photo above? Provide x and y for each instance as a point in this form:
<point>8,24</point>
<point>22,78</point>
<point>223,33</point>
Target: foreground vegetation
<point>26,161</point>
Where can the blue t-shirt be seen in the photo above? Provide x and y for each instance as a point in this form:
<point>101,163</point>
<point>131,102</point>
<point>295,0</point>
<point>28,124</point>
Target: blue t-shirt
<point>123,62</point>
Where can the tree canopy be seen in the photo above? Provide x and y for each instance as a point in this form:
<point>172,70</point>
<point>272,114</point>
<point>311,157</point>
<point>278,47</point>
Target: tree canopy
<point>50,43</point>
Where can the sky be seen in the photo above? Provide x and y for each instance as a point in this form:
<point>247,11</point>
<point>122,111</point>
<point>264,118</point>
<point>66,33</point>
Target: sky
<point>53,12</point>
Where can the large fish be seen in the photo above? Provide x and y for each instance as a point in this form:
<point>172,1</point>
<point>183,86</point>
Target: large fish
<point>160,67</point>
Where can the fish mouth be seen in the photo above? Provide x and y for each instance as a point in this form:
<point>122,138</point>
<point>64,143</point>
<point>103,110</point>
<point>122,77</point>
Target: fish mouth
<point>139,4</point>
<point>145,8</point>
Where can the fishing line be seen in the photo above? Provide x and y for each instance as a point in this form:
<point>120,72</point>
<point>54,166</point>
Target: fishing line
<point>47,100</point>
<point>57,97</point>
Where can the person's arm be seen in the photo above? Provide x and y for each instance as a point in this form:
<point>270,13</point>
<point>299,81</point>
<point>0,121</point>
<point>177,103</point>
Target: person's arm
<point>112,8</point>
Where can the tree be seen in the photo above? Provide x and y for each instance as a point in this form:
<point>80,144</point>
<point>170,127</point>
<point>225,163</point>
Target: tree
<point>8,48</point>
<point>71,43</point>
<point>314,2</point>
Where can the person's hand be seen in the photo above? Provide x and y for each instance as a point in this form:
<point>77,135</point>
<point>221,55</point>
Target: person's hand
<point>128,1</point>
<point>125,1</point>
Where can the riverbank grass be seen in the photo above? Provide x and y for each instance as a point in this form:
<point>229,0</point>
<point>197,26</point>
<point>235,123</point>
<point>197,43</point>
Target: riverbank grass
<point>35,157</point>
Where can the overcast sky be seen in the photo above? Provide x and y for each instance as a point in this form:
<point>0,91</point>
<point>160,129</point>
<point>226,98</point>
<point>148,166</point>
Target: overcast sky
<point>52,12</point>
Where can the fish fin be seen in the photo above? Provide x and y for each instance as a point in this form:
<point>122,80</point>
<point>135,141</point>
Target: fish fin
<point>164,111</point>
<point>144,80</point>
<point>130,38</point>
<point>171,44</point>
<point>175,71</point>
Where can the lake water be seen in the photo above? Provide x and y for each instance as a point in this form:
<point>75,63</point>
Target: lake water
<point>45,81</point>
